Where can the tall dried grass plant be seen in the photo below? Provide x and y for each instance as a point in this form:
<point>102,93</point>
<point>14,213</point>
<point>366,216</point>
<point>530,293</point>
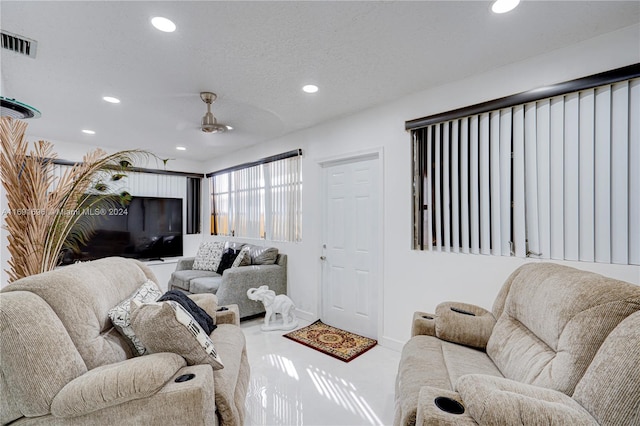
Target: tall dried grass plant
<point>43,208</point>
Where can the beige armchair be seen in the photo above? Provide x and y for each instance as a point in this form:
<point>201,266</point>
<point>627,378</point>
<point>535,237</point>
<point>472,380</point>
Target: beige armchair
<point>560,346</point>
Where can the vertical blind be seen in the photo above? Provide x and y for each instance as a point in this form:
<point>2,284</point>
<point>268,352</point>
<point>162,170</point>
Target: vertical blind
<point>140,184</point>
<point>259,200</point>
<point>556,178</point>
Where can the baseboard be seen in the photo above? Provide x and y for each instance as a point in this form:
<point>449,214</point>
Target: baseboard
<point>307,316</point>
<point>390,343</point>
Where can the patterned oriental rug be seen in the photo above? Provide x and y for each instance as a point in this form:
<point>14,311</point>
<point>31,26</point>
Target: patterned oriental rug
<point>332,341</point>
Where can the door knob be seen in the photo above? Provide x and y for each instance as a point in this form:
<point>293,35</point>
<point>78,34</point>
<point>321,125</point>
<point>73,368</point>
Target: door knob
<point>323,257</point>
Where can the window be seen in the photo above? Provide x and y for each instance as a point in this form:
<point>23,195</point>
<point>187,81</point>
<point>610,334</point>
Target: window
<point>262,199</point>
<point>552,177</point>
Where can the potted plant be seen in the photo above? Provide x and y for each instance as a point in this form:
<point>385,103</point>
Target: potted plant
<point>45,212</point>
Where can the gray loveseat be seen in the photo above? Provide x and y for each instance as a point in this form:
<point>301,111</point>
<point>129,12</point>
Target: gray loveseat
<point>267,267</point>
<point>560,346</point>
<point>63,362</point>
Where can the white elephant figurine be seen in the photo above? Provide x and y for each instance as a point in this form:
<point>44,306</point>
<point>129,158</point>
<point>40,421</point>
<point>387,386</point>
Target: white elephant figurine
<point>274,305</point>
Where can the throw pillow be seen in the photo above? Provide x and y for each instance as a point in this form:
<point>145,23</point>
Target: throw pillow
<point>121,314</point>
<point>263,255</point>
<point>209,256</point>
<point>200,315</point>
<point>168,327</point>
<point>243,258</point>
<point>228,257</point>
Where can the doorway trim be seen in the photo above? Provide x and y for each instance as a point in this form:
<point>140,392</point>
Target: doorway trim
<point>375,153</point>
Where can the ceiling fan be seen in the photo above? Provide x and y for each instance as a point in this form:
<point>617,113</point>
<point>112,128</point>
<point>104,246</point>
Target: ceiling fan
<point>209,123</point>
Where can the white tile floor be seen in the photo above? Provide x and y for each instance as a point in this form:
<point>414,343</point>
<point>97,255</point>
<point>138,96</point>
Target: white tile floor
<point>292,384</point>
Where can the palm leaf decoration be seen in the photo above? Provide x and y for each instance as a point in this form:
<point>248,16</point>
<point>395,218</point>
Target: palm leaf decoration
<point>45,212</point>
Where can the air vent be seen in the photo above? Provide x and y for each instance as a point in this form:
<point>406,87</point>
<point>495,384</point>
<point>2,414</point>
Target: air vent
<point>19,44</point>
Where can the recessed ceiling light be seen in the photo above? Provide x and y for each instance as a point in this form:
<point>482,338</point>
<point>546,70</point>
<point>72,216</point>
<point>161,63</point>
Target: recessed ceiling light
<point>504,6</point>
<point>89,132</point>
<point>163,24</point>
<point>111,99</point>
<point>229,127</point>
<point>181,148</point>
<point>310,88</point>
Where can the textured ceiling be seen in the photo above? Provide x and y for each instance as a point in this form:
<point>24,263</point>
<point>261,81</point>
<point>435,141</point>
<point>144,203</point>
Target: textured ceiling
<point>256,56</point>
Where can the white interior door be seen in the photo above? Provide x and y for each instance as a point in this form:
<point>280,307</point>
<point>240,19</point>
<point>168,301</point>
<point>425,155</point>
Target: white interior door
<point>351,244</point>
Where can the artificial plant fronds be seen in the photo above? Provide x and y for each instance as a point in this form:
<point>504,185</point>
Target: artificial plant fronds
<point>43,208</point>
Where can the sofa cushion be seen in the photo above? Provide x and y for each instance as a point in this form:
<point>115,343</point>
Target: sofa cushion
<point>228,257</point>
<point>263,255</point>
<point>205,285</point>
<point>208,256</point>
<point>168,327</point>
<point>182,279</point>
<point>429,361</point>
<point>610,388</point>
<point>243,258</point>
<point>541,337</point>
<point>115,384</point>
<point>121,318</point>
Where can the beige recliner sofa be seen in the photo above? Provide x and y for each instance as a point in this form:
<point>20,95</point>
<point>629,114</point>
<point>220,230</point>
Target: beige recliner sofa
<point>63,363</point>
<point>561,346</point>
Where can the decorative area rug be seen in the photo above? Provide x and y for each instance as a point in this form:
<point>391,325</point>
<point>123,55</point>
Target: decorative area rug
<point>332,341</point>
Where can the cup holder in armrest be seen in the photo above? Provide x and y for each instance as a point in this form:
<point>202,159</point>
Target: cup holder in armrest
<point>428,317</point>
<point>449,405</point>
<point>462,311</point>
<point>184,378</point>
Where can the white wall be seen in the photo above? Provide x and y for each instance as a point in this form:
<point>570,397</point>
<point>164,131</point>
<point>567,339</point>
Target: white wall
<point>414,280</point>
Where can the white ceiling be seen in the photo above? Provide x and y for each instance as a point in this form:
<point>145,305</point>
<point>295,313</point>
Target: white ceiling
<point>256,56</point>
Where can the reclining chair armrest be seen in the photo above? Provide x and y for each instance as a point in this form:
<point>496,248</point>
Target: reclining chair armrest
<point>496,400</point>
<point>209,302</point>
<point>463,323</point>
<point>230,315</point>
<point>423,324</point>
<point>189,400</point>
<point>117,383</point>
<point>186,263</point>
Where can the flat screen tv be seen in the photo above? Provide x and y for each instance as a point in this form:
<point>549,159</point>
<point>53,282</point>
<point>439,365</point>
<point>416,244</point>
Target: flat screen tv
<point>144,228</point>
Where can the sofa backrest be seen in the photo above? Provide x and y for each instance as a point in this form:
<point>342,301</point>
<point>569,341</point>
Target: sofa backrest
<point>38,356</point>
<point>81,296</point>
<point>610,388</point>
<point>554,320</point>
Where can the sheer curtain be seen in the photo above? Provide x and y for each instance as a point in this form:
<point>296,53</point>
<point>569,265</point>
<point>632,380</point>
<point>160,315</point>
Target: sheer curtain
<point>262,199</point>
<point>285,204</point>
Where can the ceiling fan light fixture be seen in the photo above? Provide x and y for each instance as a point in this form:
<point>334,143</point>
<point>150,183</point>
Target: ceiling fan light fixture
<point>209,123</point>
<point>15,109</point>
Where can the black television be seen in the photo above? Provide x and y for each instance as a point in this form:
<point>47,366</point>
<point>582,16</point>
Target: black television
<point>144,228</point>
